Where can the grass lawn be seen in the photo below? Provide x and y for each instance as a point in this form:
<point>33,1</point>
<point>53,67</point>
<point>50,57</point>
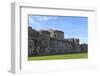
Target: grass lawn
<point>65,56</point>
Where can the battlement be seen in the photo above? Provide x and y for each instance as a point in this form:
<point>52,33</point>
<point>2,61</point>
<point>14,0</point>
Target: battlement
<point>51,42</point>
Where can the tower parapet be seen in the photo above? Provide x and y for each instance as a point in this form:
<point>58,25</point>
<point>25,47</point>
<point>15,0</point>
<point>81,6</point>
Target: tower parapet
<point>56,34</point>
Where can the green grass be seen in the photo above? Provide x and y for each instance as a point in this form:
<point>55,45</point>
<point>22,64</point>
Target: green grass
<point>65,56</point>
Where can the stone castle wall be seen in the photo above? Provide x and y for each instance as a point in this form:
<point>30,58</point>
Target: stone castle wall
<point>49,42</point>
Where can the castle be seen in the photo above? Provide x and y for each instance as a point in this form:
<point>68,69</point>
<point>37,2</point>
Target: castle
<point>51,42</point>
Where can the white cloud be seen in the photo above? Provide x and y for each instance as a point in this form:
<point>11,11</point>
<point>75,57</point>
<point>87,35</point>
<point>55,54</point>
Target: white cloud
<point>31,20</point>
<point>37,21</point>
<point>45,18</point>
<point>34,23</point>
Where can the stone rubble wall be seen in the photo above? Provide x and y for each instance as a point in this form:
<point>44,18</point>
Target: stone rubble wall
<point>43,43</point>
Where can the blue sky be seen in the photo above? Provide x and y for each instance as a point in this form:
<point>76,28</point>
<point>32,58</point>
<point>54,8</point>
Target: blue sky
<point>72,26</point>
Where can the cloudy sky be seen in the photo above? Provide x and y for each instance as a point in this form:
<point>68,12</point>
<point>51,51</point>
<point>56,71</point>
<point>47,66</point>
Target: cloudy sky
<point>72,26</point>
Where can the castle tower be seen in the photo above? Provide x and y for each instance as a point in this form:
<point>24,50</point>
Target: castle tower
<point>44,41</point>
<point>56,34</point>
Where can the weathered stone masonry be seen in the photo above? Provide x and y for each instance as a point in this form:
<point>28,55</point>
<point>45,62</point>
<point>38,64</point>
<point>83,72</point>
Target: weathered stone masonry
<point>49,42</point>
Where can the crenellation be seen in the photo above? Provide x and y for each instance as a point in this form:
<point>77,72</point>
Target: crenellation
<point>49,42</point>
